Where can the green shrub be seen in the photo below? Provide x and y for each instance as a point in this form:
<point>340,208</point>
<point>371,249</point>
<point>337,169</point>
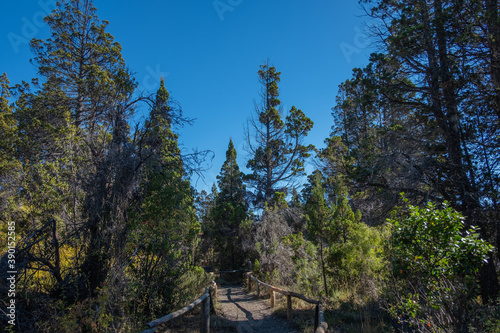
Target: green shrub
<point>435,263</point>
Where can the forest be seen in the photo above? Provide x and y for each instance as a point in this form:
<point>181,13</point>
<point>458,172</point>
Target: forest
<point>397,225</point>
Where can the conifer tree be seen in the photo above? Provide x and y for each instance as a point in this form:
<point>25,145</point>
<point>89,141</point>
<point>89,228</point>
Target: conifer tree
<point>77,121</point>
<point>229,211</point>
<point>447,57</point>
<point>164,228</point>
<point>160,141</point>
<point>319,219</point>
<point>277,152</point>
<point>205,203</point>
<point>348,249</point>
<point>86,61</point>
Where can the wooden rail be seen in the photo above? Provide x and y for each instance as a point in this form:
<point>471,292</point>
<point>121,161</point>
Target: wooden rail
<point>320,325</point>
<point>206,301</point>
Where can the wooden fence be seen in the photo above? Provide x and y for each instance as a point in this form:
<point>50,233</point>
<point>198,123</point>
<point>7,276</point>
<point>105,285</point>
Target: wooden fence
<point>206,301</point>
<point>320,326</point>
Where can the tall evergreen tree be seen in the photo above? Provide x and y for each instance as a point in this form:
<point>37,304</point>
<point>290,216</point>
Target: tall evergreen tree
<point>319,220</point>
<point>277,152</point>
<point>96,203</point>
<point>78,120</point>
<point>229,211</point>
<point>381,145</point>
<point>164,228</point>
<point>86,61</point>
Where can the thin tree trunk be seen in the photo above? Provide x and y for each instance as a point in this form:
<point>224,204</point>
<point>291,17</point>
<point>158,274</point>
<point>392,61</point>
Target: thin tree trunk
<point>323,268</point>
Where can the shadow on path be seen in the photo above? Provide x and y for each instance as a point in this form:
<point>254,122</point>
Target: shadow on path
<point>245,313</point>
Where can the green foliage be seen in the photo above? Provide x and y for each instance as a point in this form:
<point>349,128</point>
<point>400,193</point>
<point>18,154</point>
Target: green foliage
<point>256,267</point>
<point>228,211</point>
<point>84,59</point>
<point>307,278</point>
<point>349,251</point>
<point>164,230</point>
<point>279,201</point>
<point>359,261</point>
<point>277,154</point>
<point>372,145</point>
<point>487,319</point>
<point>437,262</point>
<point>104,213</point>
<point>8,127</point>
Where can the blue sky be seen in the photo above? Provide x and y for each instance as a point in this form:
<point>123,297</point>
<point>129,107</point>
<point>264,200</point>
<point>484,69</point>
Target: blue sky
<point>209,53</point>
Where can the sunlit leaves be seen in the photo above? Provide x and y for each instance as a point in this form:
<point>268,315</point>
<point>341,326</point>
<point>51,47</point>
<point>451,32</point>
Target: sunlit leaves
<point>437,259</point>
<point>276,148</point>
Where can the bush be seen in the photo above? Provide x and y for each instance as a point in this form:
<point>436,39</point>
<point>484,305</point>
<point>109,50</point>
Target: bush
<point>434,263</point>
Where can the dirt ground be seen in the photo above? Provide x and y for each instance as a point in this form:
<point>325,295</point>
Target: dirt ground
<point>240,312</point>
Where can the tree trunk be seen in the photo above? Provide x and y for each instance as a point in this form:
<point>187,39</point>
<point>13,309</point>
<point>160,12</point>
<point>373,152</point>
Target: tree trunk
<point>323,268</point>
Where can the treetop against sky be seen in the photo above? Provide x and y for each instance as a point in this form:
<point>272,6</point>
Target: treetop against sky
<point>209,53</point>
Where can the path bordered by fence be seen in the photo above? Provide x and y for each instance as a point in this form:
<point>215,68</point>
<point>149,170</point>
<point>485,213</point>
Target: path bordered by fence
<point>320,325</point>
<point>206,301</point>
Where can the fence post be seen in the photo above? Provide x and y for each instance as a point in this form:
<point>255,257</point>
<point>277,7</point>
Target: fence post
<point>249,283</point>
<point>215,298</point>
<point>272,298</point>
<point>316,317</point>
<point>205,313</point>
<point>258,290</point>
<point>289,307</point>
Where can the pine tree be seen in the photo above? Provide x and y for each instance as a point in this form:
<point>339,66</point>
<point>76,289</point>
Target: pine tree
<point>74,129</point>
<point>381,144</point>
<point>348,249</point>
<point>160,141</point>
<point>319,220</point>
<point>205,202</point>
<point>86,61</point>
<point>164,228</point>
<point>229,211</point>
<point>277,152</point>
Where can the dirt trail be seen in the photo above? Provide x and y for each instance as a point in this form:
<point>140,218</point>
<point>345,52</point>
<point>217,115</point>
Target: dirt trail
<point>241,312</point>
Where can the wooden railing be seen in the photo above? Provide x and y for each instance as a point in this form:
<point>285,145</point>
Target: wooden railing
<point>206,301</point>
<point>220,273</point>
<point>320,325</point>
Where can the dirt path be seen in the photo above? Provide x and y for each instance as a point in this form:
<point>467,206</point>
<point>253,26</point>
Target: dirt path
<point>240,312</point>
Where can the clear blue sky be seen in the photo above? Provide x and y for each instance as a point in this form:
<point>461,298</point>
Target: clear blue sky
<point>209,53</point>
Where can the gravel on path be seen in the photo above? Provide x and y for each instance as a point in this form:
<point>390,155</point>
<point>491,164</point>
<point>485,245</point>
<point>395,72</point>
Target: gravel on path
<point>241,312</point>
